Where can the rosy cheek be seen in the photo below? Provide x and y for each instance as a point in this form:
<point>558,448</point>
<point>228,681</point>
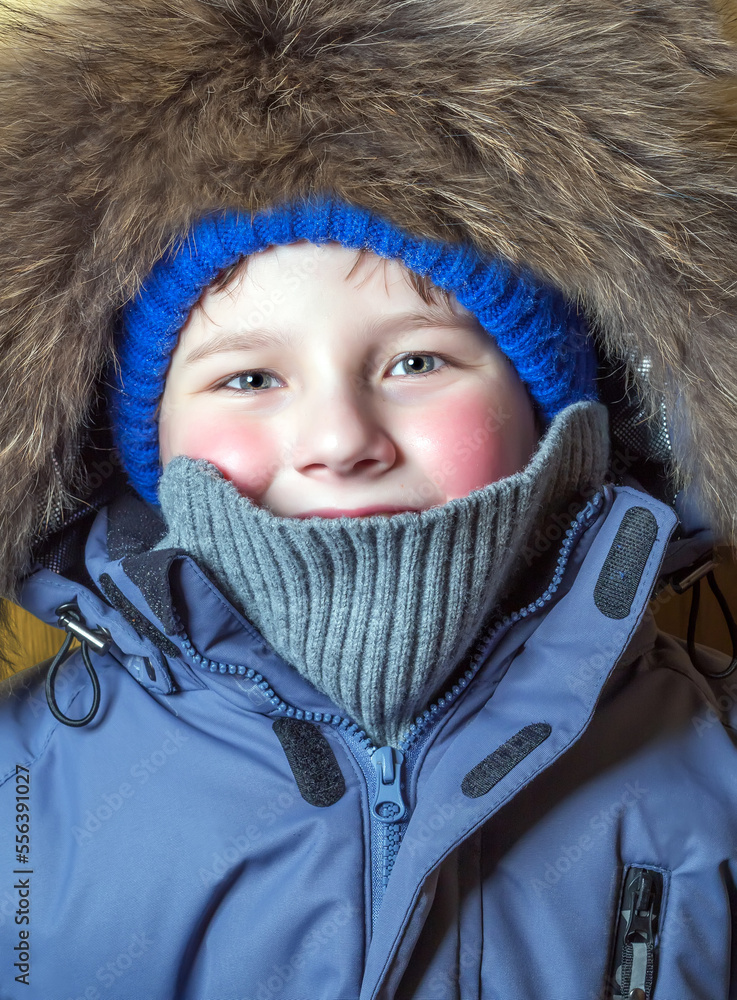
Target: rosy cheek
<point>245,455</point>
<point>473,443</point>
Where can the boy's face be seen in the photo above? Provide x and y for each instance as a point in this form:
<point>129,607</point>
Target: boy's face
<point>374,399</point>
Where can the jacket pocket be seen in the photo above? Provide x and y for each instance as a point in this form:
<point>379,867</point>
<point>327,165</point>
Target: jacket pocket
<point>635,952</point>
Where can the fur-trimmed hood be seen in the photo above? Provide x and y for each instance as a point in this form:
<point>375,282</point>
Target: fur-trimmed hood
<point>592,142</point>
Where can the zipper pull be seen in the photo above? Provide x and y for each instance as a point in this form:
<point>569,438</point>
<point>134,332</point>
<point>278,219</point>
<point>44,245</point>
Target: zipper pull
<point>639,934</point>
<point>641,915</point>
<point>388,763</point>
<point>634,971</point>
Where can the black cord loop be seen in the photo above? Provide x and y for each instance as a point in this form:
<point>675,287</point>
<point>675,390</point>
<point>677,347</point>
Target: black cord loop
<point>71,620</point>
<point>728,618</point>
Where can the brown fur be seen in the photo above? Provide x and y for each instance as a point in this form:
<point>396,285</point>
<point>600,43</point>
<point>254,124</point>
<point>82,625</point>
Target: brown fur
<point>592,140</point>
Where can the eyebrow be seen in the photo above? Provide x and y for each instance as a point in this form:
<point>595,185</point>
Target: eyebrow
<point>248,340</point>
<point>232,340</point>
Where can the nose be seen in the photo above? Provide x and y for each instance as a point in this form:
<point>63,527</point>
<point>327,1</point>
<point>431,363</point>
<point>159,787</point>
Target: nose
<point>342,434</point>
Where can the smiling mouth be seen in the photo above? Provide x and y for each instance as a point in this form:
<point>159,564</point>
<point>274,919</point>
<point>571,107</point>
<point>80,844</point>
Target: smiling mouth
<point>359,512</point>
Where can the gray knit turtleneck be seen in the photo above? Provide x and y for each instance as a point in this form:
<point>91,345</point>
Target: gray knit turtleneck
<point>378,612</point>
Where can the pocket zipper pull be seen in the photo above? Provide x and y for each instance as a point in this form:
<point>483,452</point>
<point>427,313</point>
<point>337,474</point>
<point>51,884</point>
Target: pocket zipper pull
<point>637,925</point>
<point>639,933</point>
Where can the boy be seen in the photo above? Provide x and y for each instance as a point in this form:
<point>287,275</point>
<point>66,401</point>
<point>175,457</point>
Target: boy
<point>313,411</point>
<point>320,749</point>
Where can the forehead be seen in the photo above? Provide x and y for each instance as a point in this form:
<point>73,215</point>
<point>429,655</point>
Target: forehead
<point>287,279</point>
<point>307,257</point>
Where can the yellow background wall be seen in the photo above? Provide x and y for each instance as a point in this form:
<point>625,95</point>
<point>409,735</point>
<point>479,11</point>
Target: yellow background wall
<point>28,641</point>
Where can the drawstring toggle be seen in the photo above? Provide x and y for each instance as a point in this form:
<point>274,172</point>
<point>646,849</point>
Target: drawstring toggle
<point>97,640</point>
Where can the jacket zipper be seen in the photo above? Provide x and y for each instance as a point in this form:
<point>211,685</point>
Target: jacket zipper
<point>633,966</point>
<point>392,766</point>
<point>389,808</point>
<point>386,769</point>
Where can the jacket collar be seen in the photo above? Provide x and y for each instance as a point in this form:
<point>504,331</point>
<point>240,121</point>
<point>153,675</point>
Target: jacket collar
<point>172,629</point>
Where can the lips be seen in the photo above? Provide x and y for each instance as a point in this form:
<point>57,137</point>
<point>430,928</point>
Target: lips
<point>355,512</point>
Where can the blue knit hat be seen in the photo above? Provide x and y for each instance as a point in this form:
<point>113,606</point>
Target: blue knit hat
<point>531,323</point>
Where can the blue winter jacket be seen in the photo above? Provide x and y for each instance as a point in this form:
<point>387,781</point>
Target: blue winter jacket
<point>560,825</point>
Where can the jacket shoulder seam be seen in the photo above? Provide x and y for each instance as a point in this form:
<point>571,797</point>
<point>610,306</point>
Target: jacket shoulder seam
<point>44,746</point>
<point>32,760</point>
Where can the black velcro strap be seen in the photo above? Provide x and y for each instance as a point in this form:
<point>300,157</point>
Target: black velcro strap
<point>312,760</point>
<point>132,527</point>
<point>482,778</point>
<point>624,565</point>
<point>131,614</point>
<point>150,573</point>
